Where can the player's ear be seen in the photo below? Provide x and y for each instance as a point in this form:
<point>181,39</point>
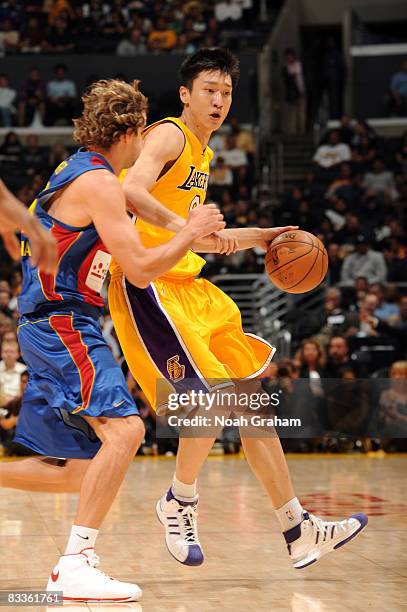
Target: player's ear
<point>184,95</point>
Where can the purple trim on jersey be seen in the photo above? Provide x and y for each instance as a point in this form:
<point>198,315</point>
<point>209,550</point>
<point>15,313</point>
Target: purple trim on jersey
<point>160,339</point>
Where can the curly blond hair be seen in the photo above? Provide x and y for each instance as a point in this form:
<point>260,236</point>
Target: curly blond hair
<point>110,108</point>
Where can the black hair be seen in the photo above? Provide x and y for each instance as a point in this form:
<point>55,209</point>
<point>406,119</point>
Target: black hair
<point>61,67</point>
<point>209,59</point>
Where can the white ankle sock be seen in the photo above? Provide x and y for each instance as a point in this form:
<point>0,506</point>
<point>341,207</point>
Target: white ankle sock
<point>182,491</point>
<point>80,538</point>
<point>290,514</point>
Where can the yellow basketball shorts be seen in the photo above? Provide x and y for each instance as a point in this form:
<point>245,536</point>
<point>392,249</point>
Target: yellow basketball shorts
<point>183,335</point>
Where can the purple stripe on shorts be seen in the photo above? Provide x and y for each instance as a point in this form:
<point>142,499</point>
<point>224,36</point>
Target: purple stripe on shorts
<point>160,339</point>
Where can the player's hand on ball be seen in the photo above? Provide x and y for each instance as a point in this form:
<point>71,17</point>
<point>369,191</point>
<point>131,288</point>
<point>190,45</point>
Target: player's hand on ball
<point>225,244</point>
<point>205,220</point>
<point>270,233</point>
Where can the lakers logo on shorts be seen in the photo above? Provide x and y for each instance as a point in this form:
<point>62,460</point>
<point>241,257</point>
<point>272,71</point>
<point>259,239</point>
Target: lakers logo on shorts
<point>175,370</point>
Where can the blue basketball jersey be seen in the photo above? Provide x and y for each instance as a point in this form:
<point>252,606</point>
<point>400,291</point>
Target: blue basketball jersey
<point>83,259</point>
<point>72,371</point>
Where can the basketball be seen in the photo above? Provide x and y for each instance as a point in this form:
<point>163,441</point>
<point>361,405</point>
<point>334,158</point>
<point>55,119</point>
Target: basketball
<point>296,262</point>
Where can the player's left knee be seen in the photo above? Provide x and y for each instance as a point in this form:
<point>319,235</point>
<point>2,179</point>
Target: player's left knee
<point>135,431</point>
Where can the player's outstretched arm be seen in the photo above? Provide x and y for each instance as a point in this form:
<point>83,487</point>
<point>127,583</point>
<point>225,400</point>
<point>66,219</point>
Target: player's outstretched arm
<point>161,146</point>
<point>240,239</point>
<point>15,217</point>
<point>104,202</point>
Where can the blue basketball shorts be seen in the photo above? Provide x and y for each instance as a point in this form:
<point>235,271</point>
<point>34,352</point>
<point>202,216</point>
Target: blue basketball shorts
<point>72,373</point>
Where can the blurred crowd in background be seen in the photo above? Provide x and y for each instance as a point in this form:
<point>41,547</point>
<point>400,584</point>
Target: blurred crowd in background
<point>127,28</point>
<point>353,197</point>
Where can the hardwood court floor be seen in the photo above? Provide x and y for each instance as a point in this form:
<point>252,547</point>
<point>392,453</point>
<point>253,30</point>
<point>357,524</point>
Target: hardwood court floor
<point>246,565</point>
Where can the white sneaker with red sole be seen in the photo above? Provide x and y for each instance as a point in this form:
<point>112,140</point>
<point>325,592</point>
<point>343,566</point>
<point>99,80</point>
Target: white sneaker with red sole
<point>79,580</point>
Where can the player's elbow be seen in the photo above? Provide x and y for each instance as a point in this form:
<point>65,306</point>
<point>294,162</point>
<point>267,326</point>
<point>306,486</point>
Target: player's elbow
<point>133,193</point>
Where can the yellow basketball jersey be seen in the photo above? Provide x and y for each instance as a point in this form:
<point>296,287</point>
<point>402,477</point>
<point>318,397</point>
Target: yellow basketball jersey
<point>180,189</point>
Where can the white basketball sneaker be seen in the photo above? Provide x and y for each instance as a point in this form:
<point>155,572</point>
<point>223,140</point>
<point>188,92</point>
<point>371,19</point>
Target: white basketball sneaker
<point>181,530</point>
<point>79,580</point>
<point>313,538</point>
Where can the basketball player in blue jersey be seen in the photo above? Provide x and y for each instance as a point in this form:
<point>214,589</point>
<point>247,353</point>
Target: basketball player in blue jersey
<point>199,326</point>
<point>76,405</point>
<point>15,217</point>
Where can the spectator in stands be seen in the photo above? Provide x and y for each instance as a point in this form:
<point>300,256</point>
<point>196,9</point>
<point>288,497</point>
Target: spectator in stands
<point>11,149</point>
<point>305,218</point>
<point>32,98</point>
<point>350,231</point>
<point>397,330</point>
<point>59,38</point>
<point>9,421</point>
<point>6,324</point>
<point>4,302</point>
<point>161,37</point>
<point>233,156</point>
<point>364,153</point>
<point>121,7</point>
<point>33,156</point>
<point>212,31</point>
<point>13,10</point>
<point>392,419</point>
<point>347,404</point>
<point>313,190</point>
<point>343,186</point>
<point>363,130</point>
<point>195,14</point>
<point>361,326</point>
<point>221,174</point>
<point>95,11</point>
<point>61,97</point>
<point>395,251</point>
<point>132,45</point>
<point>60,8</point>
<point>312,360</point>
<point>10,370</point>
<point>345,129</point>
<point>9,37</point>
<point>228,12</point>
<point>183,45</point>
<point>57,155</point>
<point>385,310</point>
<point>335,263</point>
<point>332,153</point>
<point>32,37</point>
<point>364,261</point>
<point>333,320</point>
<point>338,357</point>
<point>113,30</point>
<point>8,97</point>
<point>379,184</point>
<point>244,138</point>
<point>294,107</point>
<point>398,89</point>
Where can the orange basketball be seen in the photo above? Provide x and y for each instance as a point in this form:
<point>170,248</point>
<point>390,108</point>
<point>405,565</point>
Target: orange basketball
<point>296,261</point>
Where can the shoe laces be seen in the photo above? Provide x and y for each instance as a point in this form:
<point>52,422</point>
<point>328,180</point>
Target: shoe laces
<point>189,517</point>
<point>94,561</point>
<point>318,524</point>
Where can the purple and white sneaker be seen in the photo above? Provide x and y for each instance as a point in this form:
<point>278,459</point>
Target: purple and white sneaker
<point>313,538</point>
<point>179,518</point>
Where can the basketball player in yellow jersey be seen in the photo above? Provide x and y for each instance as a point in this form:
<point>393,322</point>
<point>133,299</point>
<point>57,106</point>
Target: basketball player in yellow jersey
<point>185,329</point>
